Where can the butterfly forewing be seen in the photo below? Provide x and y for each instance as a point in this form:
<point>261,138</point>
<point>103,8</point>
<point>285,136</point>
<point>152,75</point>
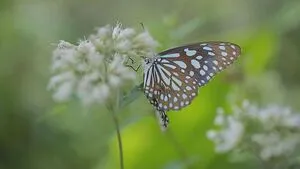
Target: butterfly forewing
<point>171,79</point>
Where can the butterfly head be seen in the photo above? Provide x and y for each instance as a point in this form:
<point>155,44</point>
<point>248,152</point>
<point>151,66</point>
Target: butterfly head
<point>148,62</point>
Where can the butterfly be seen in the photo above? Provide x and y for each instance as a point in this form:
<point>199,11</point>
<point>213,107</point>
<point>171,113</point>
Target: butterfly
<point>171,79</point>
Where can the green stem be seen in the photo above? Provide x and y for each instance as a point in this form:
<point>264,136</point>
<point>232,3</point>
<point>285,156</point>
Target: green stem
<point>117,126</point>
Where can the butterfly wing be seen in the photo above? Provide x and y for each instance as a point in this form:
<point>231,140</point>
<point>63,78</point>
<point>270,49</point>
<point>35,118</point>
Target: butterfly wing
<point>168,86</point>
<point>206,59</point>
<point>173,78</point>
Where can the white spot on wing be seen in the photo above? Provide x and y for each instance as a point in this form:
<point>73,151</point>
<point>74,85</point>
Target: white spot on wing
<point>166,98</point>
<point>175,99</point>
<point>207,48</point>
<point>165,61</point>
<point>177,81</point>
<point>181,103</point>
<point>171,55</point>
<point>211,53</point>
<point>222,47</point>
<point>149,76</point>
<point>195,63</point>
<point>199,57</point>
<point>181,64</point>
<point>164,77</point>
<point>190,52</point>
<point>175,73</point>
<point>175,87</point>
<point>191,73</point>
<point>170,66</point>
<point>202,72</point>
<point>224,53</point>
<point>188,88</point>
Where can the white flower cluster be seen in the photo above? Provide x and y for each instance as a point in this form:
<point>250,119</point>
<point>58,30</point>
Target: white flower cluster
<point>96,68</point>
<point>230,133</point>
<point>272,131</point>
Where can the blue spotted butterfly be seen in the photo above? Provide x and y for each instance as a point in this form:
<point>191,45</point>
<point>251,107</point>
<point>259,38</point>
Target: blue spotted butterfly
<point>172,78</point>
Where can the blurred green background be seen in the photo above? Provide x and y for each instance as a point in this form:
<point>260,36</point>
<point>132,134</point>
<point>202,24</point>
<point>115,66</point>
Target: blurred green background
<point>36,133</point>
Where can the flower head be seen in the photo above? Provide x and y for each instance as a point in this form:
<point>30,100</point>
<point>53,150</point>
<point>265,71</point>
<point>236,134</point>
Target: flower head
<point>229,135</point>
<point>272,131</point>
<point>96,68</point>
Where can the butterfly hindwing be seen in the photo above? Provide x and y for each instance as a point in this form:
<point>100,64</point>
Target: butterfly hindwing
<point>170,88</point>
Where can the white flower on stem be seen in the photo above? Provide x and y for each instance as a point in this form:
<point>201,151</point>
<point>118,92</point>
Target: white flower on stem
<point>145,40</point>
<point>63,83</point>
<point>119,73</point>
<point>229,135</point>
<point>272,131</point>
<point>95,69</point>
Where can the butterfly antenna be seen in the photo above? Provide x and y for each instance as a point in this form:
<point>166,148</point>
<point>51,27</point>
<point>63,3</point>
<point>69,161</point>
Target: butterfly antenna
<point>142,24</point>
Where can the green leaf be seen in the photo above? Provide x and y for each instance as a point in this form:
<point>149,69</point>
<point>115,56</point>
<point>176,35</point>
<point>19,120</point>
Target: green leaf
<point>258,51</point>
<point>131,96</point>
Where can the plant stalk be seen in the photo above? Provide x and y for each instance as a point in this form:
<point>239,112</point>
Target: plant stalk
<point>117,126</point>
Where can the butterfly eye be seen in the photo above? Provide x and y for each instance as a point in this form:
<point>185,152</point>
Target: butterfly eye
<point>148,60</point>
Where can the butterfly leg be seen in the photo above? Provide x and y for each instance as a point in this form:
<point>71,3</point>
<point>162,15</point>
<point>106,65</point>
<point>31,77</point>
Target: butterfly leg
<point>163,119</point>
<point>130,64</point>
